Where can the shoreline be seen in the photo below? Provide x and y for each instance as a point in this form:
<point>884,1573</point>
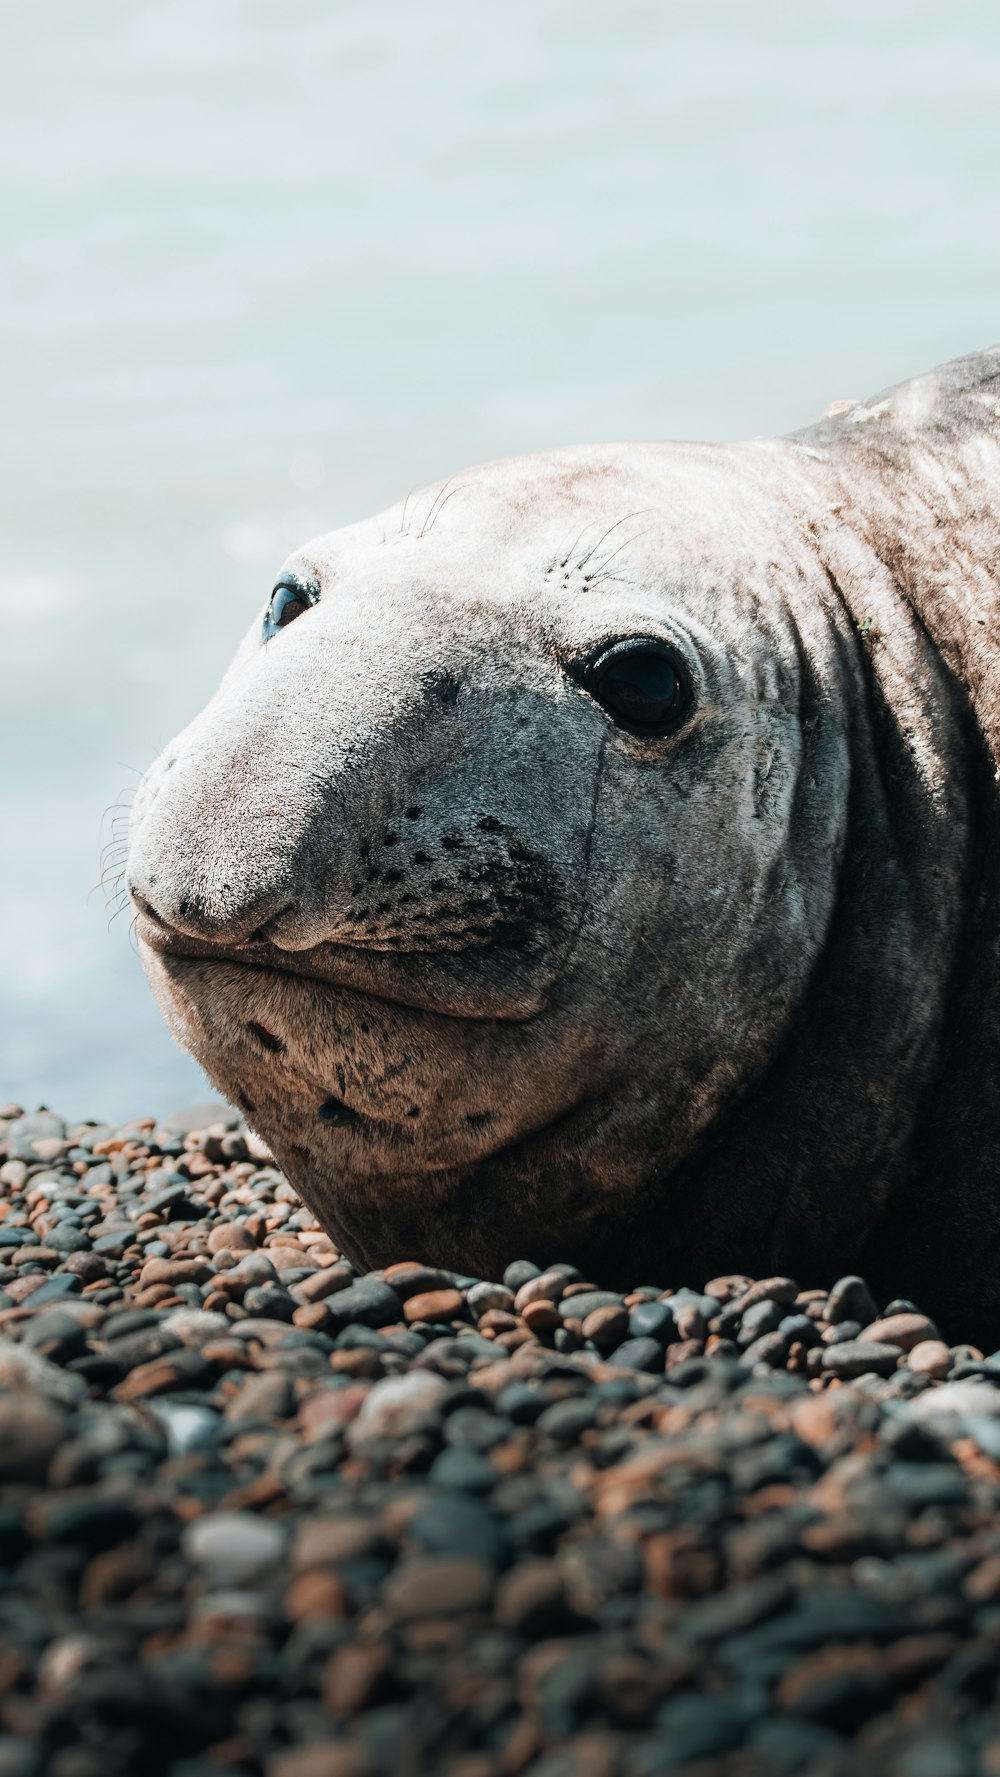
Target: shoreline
<point>263,1515</point>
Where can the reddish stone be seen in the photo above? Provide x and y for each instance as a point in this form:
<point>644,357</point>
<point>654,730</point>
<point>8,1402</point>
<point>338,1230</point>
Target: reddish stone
<point>315,1594</point>
<point>541,1316</point>
<point>549,1287</point>
<point>433,1305</point>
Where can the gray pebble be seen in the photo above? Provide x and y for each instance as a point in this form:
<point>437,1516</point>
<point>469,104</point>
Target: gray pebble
<point>859,1357</point>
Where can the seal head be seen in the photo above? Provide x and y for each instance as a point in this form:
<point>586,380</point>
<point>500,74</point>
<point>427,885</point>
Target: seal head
<point>574,859</point>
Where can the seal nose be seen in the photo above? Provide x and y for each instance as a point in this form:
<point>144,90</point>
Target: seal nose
<point>224,917</point>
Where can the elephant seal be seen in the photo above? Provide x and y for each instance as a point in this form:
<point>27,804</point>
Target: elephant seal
<point>597,854</point>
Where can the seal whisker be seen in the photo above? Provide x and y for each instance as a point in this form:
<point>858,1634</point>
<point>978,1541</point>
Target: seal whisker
<point>601,566</point>
<point>120,909</point>
<point>584,559</point>
<point>436,511</point>
<point>575,543</point>
<point>402,523</point>
<point>442,491</point>
<point>106,884</point>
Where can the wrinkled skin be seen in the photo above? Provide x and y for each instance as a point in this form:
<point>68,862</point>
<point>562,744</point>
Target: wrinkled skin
<point>724,1000</point>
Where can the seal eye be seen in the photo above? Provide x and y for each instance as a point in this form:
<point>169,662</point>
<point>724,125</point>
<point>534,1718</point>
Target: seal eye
<point>287,603</point>
<point>642,684</point>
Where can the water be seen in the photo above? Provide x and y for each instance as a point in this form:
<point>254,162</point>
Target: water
<point>268,263</point>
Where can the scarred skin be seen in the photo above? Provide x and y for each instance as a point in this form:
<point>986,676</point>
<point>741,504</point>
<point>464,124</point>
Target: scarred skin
<point>725,1000</point>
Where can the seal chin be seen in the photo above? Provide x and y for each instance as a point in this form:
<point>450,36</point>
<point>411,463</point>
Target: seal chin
<point>388,1064</point>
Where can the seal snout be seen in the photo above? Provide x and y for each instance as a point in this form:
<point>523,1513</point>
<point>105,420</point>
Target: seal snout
<point>225,918</point>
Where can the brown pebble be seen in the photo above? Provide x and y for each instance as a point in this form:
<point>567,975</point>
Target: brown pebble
<point>322,1413</point>
<point>113,1576</point>
<point>314,1316</point>
<point>326,1758</point>
<point>36,1255</point>
<point>30,1431</point>
<point>531,1598</point>
<point>982,1585</point>
<point>904,1330</point>
<point>412,1279</point>
<point>549,1287</point>
<point>811,1675</point>
<point>229,1354</point>
<point>324,1541</point>
<point>362,1362</point>
<point>606,1328</point>
<point>433,1305</point>
<point>315,1594</point>
<point>265,1396</point>
<point>437,1586</point>
<point>517,1337</point>
<point>728,1288</point>
<point>231,1236</point>
<point>149,1379</point>
<point>89,1266</point>
<point>690,1322</point>
<point>541,1316</point>
<point>916,1656</point>
<point>930,1357</point>
<point>154,1296</point>
<point>497,1320</point>
<point>681,1350</point>
<point>174,1271</point>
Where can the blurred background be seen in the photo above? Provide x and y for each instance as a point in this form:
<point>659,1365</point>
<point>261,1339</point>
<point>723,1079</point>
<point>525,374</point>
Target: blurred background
<point>267,264</point>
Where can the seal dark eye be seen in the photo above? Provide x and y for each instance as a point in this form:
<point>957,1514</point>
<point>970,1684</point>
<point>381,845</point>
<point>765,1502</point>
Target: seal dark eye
<point>287,603</point>
<point>641,683</point>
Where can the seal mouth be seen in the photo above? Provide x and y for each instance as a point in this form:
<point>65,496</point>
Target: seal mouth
<point>493,982</point>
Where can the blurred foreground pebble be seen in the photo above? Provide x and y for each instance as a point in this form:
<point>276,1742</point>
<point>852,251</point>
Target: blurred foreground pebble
<point>262,1516</point>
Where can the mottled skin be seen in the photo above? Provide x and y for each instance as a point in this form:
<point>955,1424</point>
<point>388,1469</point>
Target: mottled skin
<point>722,1001</point>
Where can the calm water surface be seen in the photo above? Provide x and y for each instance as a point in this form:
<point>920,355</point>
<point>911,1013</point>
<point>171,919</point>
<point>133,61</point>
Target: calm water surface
<point>266,264</point>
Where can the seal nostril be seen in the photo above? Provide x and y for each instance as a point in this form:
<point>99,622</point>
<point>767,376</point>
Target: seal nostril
<point>336,1113</point>
<point>267,1038</point>
<point>146,907</point>
<point>263,933</point>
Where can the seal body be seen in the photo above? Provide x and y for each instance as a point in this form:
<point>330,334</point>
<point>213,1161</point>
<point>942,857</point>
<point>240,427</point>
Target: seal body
<point>509,942</point>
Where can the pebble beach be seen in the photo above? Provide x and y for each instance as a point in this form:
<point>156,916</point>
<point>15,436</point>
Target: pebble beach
<point>263,1516</point>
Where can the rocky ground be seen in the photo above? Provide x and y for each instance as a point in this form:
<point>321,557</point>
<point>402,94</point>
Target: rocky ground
<point>261,1516</point>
